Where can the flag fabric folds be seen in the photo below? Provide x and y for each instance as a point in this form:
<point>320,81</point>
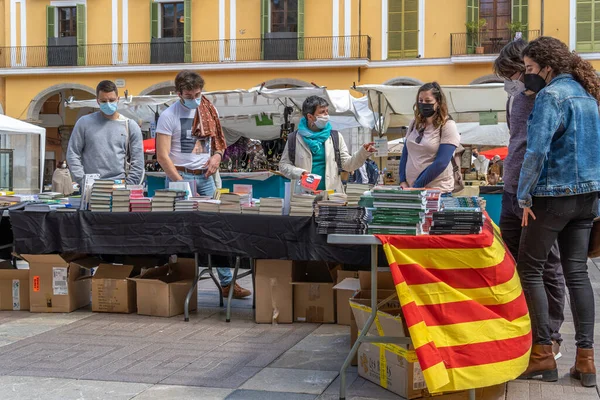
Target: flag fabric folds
<point>464,307</point>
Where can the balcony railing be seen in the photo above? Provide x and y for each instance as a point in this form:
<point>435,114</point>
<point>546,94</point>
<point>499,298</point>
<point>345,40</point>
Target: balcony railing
<point>486,42</point>
<point>197,52</point>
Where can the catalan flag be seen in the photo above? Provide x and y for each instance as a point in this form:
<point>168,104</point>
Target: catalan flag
<point>464,307</point>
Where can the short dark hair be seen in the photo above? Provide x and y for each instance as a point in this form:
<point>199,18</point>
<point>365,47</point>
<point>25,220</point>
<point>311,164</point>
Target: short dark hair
<point>510,59</point>
<point>188,80</point>
<point>106,87</point>
<point>311,103</point>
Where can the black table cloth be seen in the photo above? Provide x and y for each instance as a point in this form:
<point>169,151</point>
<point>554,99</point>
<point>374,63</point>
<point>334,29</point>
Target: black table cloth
<point>253,236</point>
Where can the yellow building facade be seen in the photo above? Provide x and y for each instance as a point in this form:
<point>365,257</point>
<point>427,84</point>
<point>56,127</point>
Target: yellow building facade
<point>53,49</point>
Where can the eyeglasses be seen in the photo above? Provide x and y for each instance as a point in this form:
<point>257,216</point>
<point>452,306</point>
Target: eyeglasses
<point>421,132</point>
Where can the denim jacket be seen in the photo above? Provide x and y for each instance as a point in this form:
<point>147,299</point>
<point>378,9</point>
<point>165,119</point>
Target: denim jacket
<point>563,143</point>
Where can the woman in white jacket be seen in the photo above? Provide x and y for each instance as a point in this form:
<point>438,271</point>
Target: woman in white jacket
<point>315,153</point>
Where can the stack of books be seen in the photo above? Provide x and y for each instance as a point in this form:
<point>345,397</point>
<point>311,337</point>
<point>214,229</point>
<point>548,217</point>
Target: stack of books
<point>164,199</point>
<point>355,191</point>
<point>302,204</point>
<point>271,206</point>
<point>102,190</point>
<point>120,200</point>
<point>465,221</point>
<point>44,207</point>
<point>433,197</point>
<point>253,208</point>
<point>398,211</point>
<point>209,205</point>
<point>449,202</point>
<point>135,191</point>
<point>341,220</point>
<point>50,196</point>
<point>231,203</point>
<point>186,205</point>
<point>140,204</point>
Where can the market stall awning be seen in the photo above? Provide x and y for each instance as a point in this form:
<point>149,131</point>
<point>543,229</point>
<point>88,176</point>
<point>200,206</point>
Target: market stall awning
<point>256,113</point>
<point>394,104</point>
<point>12,126</point>
<point>500,151</point>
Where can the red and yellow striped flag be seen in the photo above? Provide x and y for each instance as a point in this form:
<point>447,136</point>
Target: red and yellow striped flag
<point>464,307</point>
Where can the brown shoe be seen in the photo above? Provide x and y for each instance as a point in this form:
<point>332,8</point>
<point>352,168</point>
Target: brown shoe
<point>238,292</point>
<point>584,368</point>
<point>541,362</point>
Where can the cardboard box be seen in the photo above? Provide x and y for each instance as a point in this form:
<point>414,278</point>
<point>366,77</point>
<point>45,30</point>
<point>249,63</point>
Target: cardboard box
<point>161,291</point>
<point>57,285</point>
<point>402,377</point>
<point>112,291</point>
<point>314,300</point>
<point>343,293</point>
<point>14,289</point>
<point>274,292</point>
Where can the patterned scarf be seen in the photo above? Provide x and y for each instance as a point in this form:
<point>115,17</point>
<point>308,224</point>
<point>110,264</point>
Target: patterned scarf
<point>206,124</point>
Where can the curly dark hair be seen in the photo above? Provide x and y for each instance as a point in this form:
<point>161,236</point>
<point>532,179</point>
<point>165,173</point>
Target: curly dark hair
<point>441,113</point>
<point>551,52</point>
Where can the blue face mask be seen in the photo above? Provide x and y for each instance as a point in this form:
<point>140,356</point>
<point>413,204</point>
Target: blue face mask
<point>108,108</point>
<point>192,104</point>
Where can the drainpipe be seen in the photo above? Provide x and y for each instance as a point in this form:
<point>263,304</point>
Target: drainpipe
<point>542,24</point>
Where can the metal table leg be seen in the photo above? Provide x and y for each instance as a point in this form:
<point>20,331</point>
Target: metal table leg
<point>471,394</point>
<point>367,326</point>
<point>186,305</point>
<point>231,289</point>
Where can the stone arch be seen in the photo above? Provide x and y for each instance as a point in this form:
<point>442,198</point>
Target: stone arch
<point>38,101</point>
<point>279,82</point>
<point>491,78</point>
<point>403,81</point>
<point>157,87</point>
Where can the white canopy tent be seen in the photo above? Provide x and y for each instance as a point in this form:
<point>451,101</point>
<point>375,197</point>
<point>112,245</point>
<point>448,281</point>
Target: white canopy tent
<point>394,105</point>
<point>256,113</point>
<point>13,127</point>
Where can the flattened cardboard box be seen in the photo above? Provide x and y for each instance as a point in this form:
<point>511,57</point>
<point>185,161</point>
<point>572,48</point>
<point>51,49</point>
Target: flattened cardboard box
<point>112,291</point>
<point>57,285</point>
<point>14,289</point>
<point>314,300</point>
<point>343,294</point>
<point>161,291</point>
<point>274,292</point>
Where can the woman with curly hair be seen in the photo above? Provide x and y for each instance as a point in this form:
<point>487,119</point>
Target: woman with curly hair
<point>558,192</point>
<point>430,142</point>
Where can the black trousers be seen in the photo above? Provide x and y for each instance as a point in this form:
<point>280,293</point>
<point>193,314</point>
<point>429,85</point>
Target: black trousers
<point>554,281</point>
<point>568,220</point>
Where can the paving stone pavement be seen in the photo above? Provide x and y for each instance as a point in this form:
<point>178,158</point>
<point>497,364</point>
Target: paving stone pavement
<point>83,356</point>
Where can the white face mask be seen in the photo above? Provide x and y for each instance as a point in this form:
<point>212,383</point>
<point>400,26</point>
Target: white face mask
<point>514,88</point>
<point>322,121</point>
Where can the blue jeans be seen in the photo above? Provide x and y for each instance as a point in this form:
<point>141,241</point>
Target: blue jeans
<point>206,187</point>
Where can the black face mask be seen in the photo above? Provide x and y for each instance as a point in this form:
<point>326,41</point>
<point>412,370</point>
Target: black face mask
<point>426,110</point>
<point>534,82</point>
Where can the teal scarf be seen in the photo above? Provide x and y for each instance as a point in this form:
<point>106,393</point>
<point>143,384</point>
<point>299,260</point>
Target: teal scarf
<point>314,140</point>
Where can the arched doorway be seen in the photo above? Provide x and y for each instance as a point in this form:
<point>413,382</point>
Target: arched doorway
<point>285,83</point>
<point>48,110</point>
<point>491,78</point>
<point>403,81</point>
<point>161,88</point>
